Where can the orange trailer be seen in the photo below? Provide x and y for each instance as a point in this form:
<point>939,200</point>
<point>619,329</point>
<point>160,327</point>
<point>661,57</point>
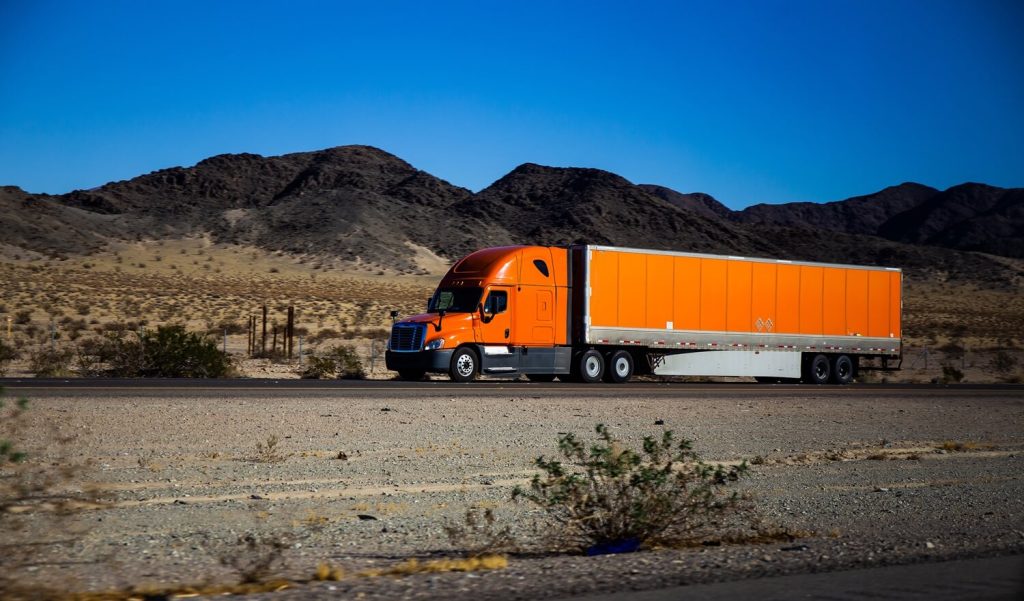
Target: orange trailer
<point>594,312</point>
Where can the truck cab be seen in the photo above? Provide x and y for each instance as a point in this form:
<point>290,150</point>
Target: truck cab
<point>498,311</point>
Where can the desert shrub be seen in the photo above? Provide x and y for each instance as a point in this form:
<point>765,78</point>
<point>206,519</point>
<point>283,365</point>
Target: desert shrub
<point>339,361</point>
<point>951,374</point>
<point>619,499</point>
<point>480,534</point>
<point>1003,362</point>
<point>174,352</point>
<point>7,354</point>
<point>49,362</point>
<point>22,317</point>
<point>167,352</point>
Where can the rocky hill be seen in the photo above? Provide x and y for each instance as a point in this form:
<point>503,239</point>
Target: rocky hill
<point>361,205</point>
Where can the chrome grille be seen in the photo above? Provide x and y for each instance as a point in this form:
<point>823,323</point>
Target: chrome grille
<point>407,337</point>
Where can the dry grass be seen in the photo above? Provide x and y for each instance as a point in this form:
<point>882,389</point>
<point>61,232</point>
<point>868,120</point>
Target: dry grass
<point>204,286</point>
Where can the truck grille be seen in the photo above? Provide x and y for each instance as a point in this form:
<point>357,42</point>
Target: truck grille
<point>407,337</point>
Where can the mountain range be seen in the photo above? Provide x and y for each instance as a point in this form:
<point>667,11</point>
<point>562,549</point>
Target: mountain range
<point>361,204</point>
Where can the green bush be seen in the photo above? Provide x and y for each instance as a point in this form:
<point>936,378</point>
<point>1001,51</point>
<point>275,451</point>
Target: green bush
<point>173,352</point>
<point>167,352</point>
<point>619,499</point>
<point>339,361</point>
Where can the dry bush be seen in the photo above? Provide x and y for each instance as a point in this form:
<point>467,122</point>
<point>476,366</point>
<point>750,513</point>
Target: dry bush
<point>340,362</point>
<point>7,354</point>
<point>268,451</point>
<point>255,558</point>
<point>613,499</point>
<point>48,362</point>
<point>479,534</point>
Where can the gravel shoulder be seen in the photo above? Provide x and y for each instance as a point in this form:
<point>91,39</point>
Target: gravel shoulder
<point>869,479</point>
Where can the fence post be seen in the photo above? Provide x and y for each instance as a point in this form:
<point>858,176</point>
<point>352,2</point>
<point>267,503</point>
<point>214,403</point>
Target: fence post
<point>290,329</point>
<point>53,336</point>
<point>300,349</point>
<point>263,345</point>
<point>225,341</point>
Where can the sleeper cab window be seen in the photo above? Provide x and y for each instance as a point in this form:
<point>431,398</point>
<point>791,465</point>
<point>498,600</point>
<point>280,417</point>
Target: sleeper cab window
<point>541,266</point>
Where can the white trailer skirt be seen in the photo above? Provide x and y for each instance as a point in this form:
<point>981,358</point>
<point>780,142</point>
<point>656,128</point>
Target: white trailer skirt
<point>766,364</point>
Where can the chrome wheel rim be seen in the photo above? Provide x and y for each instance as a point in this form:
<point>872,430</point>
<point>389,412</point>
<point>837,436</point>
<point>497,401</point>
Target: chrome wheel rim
<point>593,367</point>
<point>622,367</point>
<point>464,365</point>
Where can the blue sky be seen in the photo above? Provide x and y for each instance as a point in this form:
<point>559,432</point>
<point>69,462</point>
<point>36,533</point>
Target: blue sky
<point>769,101</point>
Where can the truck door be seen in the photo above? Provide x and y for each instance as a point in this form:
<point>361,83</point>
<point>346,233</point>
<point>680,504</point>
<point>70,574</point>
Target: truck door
<point>496,322</point>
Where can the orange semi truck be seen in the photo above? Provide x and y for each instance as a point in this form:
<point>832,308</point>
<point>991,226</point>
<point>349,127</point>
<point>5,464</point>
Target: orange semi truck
<point>591,313</point>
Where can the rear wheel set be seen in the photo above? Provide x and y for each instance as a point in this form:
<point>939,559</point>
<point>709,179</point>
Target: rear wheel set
<point>822,369</point>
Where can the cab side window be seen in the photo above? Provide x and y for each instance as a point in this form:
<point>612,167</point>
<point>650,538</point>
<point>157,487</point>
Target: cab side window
<point>497,302</point>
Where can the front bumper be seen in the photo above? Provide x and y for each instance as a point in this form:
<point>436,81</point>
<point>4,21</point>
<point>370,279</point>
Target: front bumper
<point>435,361</point>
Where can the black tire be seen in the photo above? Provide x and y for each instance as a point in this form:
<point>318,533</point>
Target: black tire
<point>618,367</point>
<point>540,377</point>
<point>590,367</point>
<point>818,370</point>
<point>842,370</point>
<point>411,374</point>
<point>465,365</point>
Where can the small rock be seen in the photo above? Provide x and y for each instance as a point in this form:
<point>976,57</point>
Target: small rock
<point>659,422</point>
<point>385,409</point>
<point>256,497</point>
<point>366,516</point>
<point>881,489</point>
<point>929,545</point>
<point>179,502</point>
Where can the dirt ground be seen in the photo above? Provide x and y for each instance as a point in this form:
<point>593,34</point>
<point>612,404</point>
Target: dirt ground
<point>194,490</point>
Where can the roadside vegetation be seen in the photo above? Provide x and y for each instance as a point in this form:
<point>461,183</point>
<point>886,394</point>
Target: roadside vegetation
<point>603,497</point>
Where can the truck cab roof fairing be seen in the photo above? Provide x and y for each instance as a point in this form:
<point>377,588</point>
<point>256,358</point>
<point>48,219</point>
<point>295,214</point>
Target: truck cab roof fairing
<point>492,265</point>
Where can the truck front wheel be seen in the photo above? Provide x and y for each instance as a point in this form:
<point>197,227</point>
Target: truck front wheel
<point>465,365</point>
<point>619,367</point>
<point>591,366</point>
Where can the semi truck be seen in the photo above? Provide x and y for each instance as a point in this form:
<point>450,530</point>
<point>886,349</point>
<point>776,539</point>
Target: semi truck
<point>597,313</point>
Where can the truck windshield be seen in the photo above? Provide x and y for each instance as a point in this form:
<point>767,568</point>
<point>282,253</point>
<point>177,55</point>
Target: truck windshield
<point>454,300</point>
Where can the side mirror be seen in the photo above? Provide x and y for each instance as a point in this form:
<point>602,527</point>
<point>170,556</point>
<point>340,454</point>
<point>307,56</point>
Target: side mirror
<point>394,315</point>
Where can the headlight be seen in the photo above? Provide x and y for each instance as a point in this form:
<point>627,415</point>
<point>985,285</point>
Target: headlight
<point>435,344</point>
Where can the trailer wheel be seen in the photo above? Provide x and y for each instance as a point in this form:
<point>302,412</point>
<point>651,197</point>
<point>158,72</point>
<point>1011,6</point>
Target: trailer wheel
<point>540,377</point>
<point>465,365</point>
<point>619,367</point>
<point>842,370</point>
<point>818,370</point>
<point>591,366</point>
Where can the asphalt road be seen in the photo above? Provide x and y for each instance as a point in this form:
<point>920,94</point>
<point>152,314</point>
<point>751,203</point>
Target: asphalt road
<point>372,388</point>
<point>990,579</point>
